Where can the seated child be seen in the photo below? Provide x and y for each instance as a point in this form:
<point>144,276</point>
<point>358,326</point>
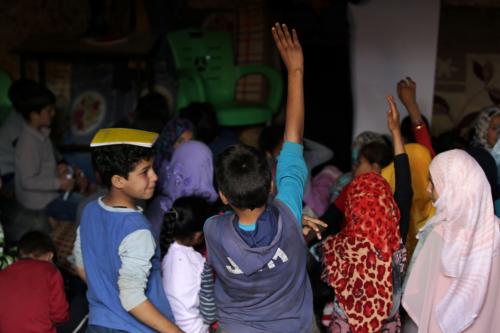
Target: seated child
<point>115,251</point>
<point>182,265</point>
<point>37,176</point>
<point>32,289</point>
<point>258,252</point>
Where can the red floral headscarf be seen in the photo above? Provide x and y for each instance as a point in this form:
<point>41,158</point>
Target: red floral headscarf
<point>358,260</point>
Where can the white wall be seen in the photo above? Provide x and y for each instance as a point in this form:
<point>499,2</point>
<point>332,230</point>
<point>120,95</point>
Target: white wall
<point>392,39</point>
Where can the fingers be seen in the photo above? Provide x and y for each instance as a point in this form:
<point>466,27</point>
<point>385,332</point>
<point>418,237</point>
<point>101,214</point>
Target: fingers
<point>282,36</point>
<point>315,221</point>
<point>295,38</point>
<point>277,39</point>
<point>410,81</point>
<point>288,37</point>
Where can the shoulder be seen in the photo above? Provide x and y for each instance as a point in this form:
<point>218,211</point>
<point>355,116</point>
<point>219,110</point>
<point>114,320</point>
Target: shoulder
<point>34,266</point>
<point>136,219</point>
<point>213,222</point>
<point>285,212</point>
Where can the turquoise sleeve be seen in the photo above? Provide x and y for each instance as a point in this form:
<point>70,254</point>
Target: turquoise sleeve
<point>291,177</point>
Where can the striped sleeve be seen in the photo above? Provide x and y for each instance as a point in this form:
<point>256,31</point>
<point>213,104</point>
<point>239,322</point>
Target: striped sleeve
<point>208,309</point>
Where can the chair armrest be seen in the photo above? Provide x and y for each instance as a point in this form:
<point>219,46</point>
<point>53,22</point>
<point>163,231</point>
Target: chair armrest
<point>274,81</point>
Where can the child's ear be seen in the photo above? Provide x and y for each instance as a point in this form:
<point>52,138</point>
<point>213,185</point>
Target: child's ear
<point>47,256</point>
<point>223,198</point>
<point>118,181</point>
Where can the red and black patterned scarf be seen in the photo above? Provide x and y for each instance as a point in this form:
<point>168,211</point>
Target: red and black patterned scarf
<point>358,260</point>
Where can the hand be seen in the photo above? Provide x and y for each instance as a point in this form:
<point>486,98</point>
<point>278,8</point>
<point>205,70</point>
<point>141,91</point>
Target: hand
<point>309,223</point>
<point>66,184</point>
<point>392,115</point>
<point>407,92</point>
<point>288,47</point>
<point>62,169</point>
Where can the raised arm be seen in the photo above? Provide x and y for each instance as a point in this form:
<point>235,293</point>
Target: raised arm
<point>393,125</point>
<point>291,53</point>
<point>403,193</point>
<point>407,92</point>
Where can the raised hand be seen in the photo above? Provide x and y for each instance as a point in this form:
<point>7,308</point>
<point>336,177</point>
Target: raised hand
<point>289,47</point>
<point>392,115</point>
<point>407,92</point>
<point>393,124</point>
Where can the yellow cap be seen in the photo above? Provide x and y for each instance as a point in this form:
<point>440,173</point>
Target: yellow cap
<point>123,136</point>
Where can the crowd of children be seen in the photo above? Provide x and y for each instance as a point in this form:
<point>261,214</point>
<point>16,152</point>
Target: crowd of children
<point>193,232</point>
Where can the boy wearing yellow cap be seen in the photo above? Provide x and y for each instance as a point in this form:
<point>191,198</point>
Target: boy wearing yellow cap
<point>115,251</point>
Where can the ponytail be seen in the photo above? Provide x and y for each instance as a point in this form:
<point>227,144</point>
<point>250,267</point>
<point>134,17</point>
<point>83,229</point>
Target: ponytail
<point>167,232</point>
<point>186,217</point>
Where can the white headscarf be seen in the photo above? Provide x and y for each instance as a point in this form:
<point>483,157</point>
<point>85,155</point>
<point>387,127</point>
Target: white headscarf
<point>471,236</point>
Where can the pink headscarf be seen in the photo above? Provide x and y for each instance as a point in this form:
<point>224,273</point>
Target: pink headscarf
<point>470,234</point>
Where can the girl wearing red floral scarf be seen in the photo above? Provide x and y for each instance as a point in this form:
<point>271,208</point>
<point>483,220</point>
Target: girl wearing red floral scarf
<point>364,262</point>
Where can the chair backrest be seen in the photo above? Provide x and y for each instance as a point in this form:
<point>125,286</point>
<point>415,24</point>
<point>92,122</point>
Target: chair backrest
<point>210,55</point>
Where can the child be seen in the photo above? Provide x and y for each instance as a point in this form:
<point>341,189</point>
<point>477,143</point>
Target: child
<point>37,179</point>
<point>258,252</point>
<point>182,265</point>
<point>114,250</point>
<point>32,289</point>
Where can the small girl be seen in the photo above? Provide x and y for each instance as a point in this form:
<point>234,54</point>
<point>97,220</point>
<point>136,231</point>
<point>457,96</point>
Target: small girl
<point>182,265</point>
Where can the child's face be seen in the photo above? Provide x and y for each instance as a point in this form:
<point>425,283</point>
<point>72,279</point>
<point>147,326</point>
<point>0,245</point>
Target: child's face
<point>491,137</point>
<point>141,181</point>
<point>44,117</point>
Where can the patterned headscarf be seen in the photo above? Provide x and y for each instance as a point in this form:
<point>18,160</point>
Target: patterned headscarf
<point>171,132</point>
<point>482,126</point>
<point>358,260</point>
<point>190,172</point>
<point>470,234</point>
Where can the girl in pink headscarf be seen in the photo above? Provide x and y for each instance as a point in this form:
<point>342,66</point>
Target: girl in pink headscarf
<point>453,279</point>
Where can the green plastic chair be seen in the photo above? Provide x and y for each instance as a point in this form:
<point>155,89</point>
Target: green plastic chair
<point>5,104</point>
<point>207,73</point>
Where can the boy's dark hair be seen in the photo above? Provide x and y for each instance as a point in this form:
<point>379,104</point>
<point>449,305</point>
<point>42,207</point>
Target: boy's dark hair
<point>204,119</point>
<point>28,96</point>
<point>244,176</point>
<point>36,244</point>
<point>270,137</point>
<point>118,160</point>
<point>187,216</point>
<point>377,152</point>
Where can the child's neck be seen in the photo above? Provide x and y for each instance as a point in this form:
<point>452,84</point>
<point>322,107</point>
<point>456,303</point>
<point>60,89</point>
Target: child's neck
<point>249,216</point>
<point>116,198</point>
<point>34,125</point>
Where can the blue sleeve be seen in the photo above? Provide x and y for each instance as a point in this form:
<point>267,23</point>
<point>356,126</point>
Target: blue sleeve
<point>291,176</point>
